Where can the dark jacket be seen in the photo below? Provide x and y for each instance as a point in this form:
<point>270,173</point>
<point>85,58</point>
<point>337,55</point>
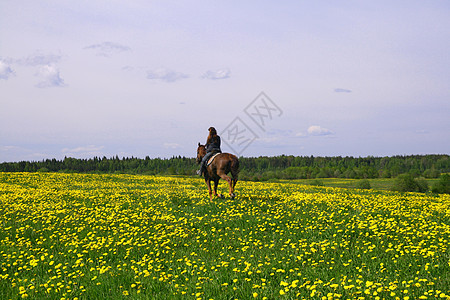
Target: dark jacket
<point>213,145</point>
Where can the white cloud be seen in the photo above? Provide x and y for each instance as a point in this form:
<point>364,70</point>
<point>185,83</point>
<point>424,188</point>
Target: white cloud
<point>422,131</point>
<point>280,132</point>
<point>314,130</point>
<point>5,70</point>
<point>128,68</point>
<point>217,74</point>
<point>83,151</point>
<point>339,90</point>
<point>10,153</point>
<point>318,130</point>
<point>50,77</point>
<point>165,75</point>
<point>9,148</point>
<point>46,69</point>
<point>172,146</point>
<point>108,48</point>
<point>39,59</point>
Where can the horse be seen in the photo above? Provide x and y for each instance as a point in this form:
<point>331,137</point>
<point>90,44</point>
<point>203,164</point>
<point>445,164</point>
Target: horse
<point>222,164</point>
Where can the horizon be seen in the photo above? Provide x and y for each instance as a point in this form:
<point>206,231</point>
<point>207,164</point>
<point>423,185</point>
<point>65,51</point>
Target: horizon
<point>193,157</point>
<point>141,79</point>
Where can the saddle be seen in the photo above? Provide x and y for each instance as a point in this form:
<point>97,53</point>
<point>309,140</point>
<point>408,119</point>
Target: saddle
<point>212,159</point>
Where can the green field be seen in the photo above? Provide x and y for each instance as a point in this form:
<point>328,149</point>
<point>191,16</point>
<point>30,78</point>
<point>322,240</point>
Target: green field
<point>384,184</point>
<point>88,236</point>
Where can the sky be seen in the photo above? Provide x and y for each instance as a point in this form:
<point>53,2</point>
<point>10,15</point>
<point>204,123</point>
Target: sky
<point>148,78</point>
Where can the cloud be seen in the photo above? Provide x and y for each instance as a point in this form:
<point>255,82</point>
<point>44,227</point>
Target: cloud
<point>422,131</point>
<point>11,153</point>
<point>108,48</point>
<point>165,75</point>
<point>9,148</point>
<point>128,68</point>
<point>39,59</point>
<point>339,90</point>
<point>46,70</point>
<point>316,130</point>
<point>5,70</point>
<point>172,146</point>
<point>88,148</point>
<point>33,60</point>
<point>280,132</point>
<point>49,77</point>
<point>85,151</point>
<point>217,74</point>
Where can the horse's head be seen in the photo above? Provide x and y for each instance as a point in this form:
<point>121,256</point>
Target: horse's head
<point>201,152</point>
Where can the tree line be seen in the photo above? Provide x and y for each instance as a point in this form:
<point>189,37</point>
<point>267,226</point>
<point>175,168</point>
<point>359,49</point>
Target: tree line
<point>252,168</point>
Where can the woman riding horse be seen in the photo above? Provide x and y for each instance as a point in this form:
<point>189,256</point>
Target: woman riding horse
<point>220,167</point>
<point>212,147</point>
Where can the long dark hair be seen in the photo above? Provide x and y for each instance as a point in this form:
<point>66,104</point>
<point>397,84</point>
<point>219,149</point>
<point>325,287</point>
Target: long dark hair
<point>212,135</point>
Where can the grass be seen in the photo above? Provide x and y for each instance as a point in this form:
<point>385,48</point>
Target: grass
<point>78,236</point>
<point>383,184</point>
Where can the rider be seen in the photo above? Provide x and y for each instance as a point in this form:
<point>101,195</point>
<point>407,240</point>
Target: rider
<point>212,147</point>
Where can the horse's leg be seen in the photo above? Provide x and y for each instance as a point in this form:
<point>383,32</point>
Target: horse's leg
<point>234,180</point>
<point>233,184</point>
<point>208,183</point>
<point>234,169</point>
<point>216,183</point>
<point>227,179</point>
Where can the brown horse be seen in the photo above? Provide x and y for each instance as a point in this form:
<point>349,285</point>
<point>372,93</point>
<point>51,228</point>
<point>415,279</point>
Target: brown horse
<point>223,164</point>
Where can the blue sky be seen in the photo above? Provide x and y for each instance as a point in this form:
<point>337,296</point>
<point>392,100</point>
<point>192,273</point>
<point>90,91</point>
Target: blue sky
<point>106,78</point>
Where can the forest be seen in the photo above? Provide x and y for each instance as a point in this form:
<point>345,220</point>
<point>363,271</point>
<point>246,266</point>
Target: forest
<point>252,168</point>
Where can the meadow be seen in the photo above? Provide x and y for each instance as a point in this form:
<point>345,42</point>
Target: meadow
<point>382,184</point>
<point>89,236</point>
